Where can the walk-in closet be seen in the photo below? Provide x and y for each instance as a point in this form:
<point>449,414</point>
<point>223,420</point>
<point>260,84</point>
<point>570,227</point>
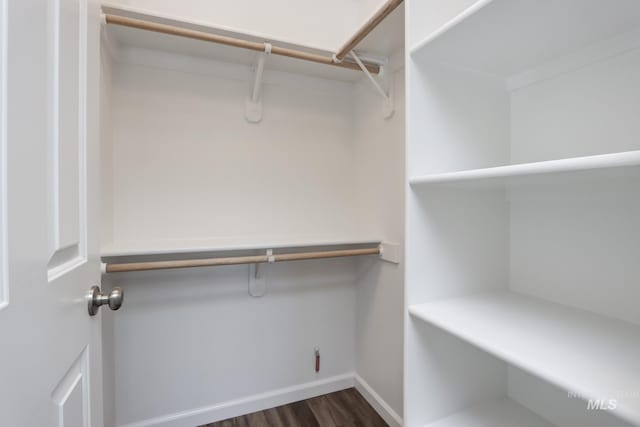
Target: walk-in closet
<point>213,152</point>
<point>302,213</point>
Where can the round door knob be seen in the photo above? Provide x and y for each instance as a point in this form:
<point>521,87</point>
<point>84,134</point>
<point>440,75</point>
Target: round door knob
<point>97,299</point>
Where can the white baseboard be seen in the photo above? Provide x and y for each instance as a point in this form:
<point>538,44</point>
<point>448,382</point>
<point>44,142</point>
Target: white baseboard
<point>374,399</point>
<point>283,396</point>
<point>257,402</point>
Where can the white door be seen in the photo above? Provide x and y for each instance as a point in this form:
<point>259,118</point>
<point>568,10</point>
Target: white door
<point>50,348</point>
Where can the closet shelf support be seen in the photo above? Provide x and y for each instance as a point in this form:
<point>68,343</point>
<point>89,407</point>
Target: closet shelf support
<point>253,105</point>
<point>387,96</point>
<point>258,277</point>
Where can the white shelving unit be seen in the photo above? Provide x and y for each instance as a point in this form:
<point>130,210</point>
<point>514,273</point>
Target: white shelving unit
<point>502,413</point>
<point>595,167</point>
<point>521,331</point>
<point>522,206</point>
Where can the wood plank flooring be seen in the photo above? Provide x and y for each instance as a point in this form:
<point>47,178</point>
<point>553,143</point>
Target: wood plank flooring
<point>346,408</point>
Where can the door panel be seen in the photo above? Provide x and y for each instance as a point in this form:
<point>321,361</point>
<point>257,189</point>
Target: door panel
<point>71,398</point>
<point>50,348</point>
<point>67,67</point>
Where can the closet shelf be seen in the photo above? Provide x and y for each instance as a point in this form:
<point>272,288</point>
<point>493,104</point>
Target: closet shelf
<point>126,43</point>
<point>505,38</point>
<point>593,356</point>
<point>223,245</point>
<point>604,165</point>
<point>254,254</point>
<point>501,413</point>
<point>134,28</point>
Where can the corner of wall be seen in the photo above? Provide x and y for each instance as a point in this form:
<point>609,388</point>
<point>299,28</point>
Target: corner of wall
<point>380,162</point>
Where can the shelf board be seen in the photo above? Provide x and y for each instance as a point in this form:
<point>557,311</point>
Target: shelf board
<point>122,38</point>
<point>223,245</point>
<point>504,37</point>
<point>594,356</point>
<point>503,413</point>
<point>604,165</point>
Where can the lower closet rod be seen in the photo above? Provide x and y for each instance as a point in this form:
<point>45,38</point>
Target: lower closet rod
<point>254,259</point>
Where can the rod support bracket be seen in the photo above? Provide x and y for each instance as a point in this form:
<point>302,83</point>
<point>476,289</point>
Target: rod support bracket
<point>253,111</point>
<point>253,105</point>
<point>390,252</point>
<point>257,284</point>
<point>259,276</point>
<point>388,106</point>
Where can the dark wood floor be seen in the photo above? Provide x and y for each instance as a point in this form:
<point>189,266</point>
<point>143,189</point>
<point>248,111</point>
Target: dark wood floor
<point>346,408</point>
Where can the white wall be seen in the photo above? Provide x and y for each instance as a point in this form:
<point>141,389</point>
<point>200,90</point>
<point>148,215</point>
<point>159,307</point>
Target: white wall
<point>193,339</point>
<point>185,163</point>
<point>599,216</point>
<point>366,8</point>
<point>543,130</point>
<point>322,24</point>
<point>188,166</point>
<point>379,145</point>
<point>182,164</point>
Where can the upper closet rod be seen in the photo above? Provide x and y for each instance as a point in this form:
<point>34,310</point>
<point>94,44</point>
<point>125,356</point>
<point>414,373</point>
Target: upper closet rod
<point>231,41</point>
<point>364,31</point>
<point>254,259</point>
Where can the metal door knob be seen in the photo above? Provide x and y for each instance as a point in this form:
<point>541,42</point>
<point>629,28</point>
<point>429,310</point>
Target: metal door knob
<point>97,299</point>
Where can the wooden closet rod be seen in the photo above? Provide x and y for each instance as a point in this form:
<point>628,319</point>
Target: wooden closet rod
<point>231,41</point>
<point>364,31</point>
<point>254,259</point>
